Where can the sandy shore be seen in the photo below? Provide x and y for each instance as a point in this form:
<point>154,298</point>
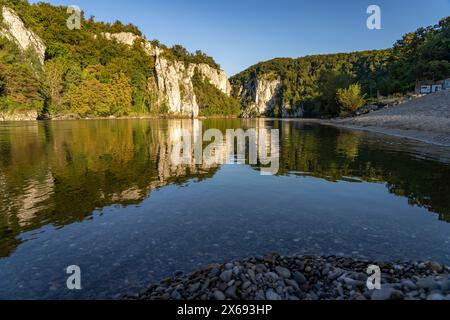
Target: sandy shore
<point>425,119</point>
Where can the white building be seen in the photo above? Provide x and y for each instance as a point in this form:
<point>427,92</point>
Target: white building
<point>427,87</point>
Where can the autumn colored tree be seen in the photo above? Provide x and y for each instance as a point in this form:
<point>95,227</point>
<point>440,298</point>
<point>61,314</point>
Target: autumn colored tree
<point>121,95</point>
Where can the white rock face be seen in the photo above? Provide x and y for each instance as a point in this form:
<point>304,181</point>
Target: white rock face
<point>263,95</point>
<point>266,95</point>
<point>30,115</point>
<point>127,38</point>
<point>173,79</point>
<point>15,30</point>
<point>216,77</point>
<point>174,82</point>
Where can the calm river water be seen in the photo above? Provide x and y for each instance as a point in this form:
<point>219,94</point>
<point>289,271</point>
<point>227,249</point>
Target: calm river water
<point>104,195</point>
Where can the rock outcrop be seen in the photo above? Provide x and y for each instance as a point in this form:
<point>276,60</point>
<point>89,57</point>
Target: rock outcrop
<point>15,30</point>
<point>262,96</point>
<point>174,83</point>
<point>29,115</point>
<point>173,79</point>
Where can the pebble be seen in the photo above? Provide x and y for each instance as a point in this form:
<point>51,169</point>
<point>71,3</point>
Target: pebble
<point>427,284</point>
<point>260,296</point>
<point>300,278</point>
<point>445,286</point>
<point>292,283</point>
<point>436,297</point>
<point>231,293</point>
<point>272,296</point>
<point>226,276</point>
<point>218,295</point>
<point>214,273</point>
<point>335,274</point>
<point>195,287</point>
<point>260,268</point>
<point>272,276</point>
<point>283,272</point>
<point>246,285</point>
<point>386,294</point>
<point>436,266</point>
<point>409,285</point>
<point>176,295</point>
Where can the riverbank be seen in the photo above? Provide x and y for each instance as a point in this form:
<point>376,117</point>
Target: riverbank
<point>425,119</point>
<point>276,277</point>
<point>33,116</point>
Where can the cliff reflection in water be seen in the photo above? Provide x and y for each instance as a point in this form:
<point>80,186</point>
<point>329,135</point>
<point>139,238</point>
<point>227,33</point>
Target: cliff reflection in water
<point>59,173</point>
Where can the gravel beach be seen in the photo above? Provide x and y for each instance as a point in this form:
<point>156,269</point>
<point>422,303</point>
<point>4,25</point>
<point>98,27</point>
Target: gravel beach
<point>275,277</point>
<point>425,119</point>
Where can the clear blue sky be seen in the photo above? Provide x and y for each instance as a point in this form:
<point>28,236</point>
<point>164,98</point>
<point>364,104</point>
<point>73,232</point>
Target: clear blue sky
<point>240,33</point>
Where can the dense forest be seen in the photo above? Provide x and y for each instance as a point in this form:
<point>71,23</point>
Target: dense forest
<point>313,82</point>
<point>84,73</point>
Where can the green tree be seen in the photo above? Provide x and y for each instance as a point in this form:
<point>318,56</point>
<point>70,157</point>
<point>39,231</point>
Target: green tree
<point>121,95</point>
<point>351,99</point>
<point>55,70</point>
<point>212,101</point>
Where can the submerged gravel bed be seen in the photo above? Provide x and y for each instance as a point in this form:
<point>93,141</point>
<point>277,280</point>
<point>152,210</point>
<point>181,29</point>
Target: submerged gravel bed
<point>275,277</point>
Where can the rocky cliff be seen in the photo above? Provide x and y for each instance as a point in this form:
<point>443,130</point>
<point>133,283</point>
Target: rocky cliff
<point>173,79</point>
<point>172,82</point>
<point>261,95</point>
<point>15,30</point>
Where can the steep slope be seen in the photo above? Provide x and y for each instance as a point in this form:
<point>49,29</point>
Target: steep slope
<point>173,79</point>
<point>15,30</point>
<point>100,70</point>
<point>305,86</point>
<point>21,61</point>
<point>308,86</point>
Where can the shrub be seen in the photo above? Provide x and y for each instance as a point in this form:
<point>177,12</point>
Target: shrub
<point>351,99</point>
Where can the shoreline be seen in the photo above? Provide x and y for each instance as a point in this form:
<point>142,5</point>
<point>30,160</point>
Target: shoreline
<point>425,119</point>
<point>121,118</point>
<point>17,118</point>
<point>276,277</point>
<point>415,135</point>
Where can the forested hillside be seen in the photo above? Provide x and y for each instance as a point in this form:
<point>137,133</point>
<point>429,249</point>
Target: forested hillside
<point>312,83</point>
<point>84,73</point>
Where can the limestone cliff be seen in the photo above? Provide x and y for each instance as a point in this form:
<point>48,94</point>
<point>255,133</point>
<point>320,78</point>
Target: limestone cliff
<point>172,82</point>
<point>27,115</point>
<point>15,30</point>
<point>261,95</point>
<point>173,79</point>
